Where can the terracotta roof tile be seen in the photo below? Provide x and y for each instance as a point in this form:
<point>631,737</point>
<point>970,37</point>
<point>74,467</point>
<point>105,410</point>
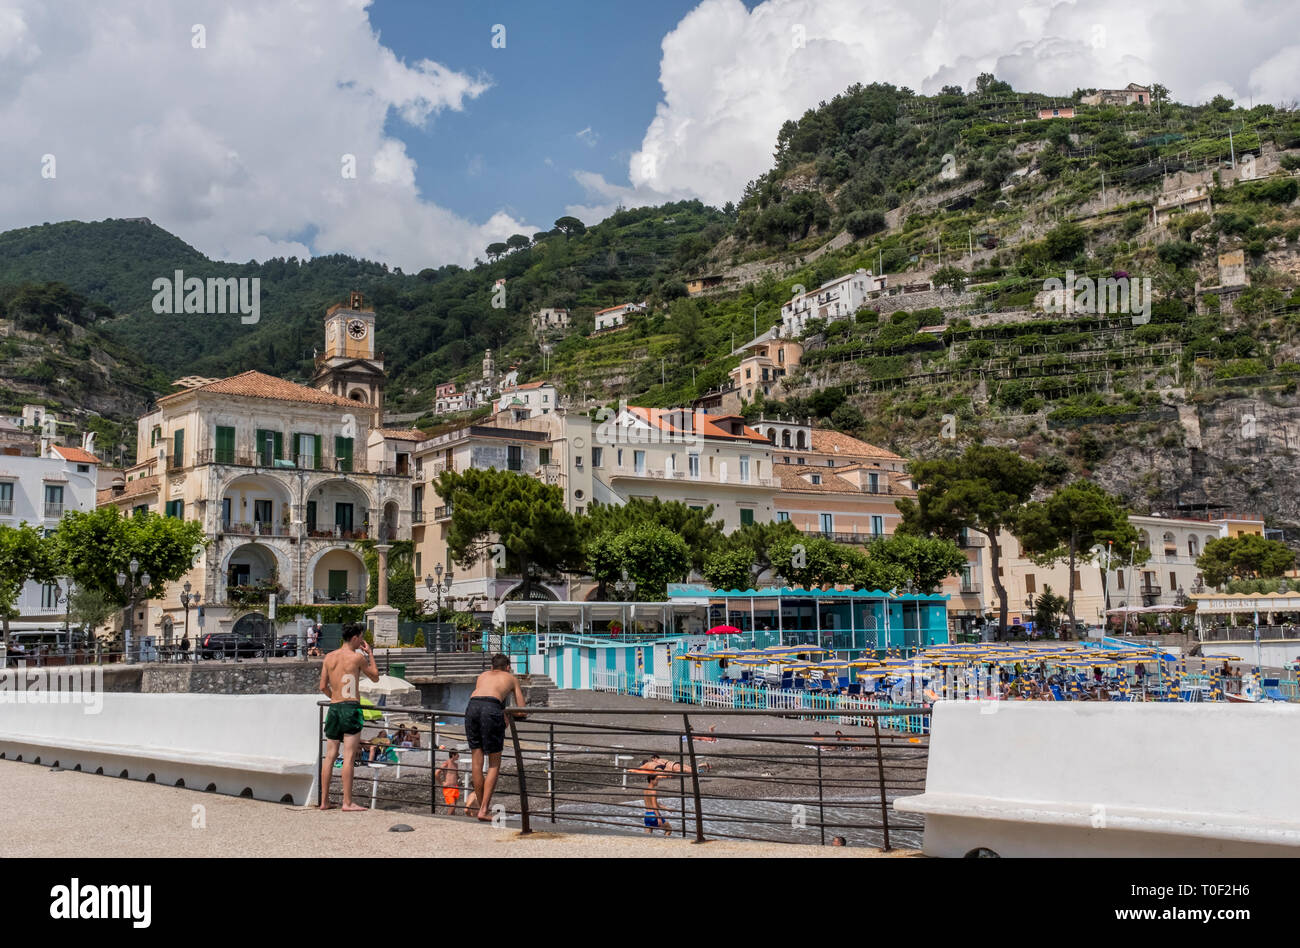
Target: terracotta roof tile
<point>75,454</point>
<point>260,385</point>
<point>402,434</point>
<point>837,443</point>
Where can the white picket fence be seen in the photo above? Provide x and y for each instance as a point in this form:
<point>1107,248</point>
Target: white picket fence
<point>744,697</point>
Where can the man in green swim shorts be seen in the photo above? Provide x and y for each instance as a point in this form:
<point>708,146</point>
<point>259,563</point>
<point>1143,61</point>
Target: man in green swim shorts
<point>339,677</point>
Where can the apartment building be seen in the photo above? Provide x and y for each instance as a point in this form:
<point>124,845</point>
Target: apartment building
<point>285,478</point>
<point>836,299</point>
<point>616,316</point>
<point>764,363</point>
<point>529,401</point>
<point>550,320</point>
<point>1168,576</point>
<point>38,491</point>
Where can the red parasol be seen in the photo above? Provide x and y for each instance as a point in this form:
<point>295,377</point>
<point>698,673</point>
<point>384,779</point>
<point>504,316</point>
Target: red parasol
<point>723,630</point>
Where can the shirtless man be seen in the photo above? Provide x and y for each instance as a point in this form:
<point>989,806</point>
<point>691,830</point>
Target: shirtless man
<point>339,676</point>
<point>485,730</point>
<point>450,770</point>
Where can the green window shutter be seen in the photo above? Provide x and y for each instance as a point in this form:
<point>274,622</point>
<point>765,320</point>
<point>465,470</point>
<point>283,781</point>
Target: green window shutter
<point>343,453</point>
<point>316,463</point>
<point>178,448</point>
<point>279,445</point>
<point>225,445</point>
<point>746,517</point>
<point>176,508</point>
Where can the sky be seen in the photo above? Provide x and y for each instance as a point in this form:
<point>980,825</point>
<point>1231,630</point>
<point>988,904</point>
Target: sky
<point>416,132</point>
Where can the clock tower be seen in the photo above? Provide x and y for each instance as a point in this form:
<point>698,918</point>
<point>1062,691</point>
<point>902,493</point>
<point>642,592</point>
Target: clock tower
<point>350,367</point>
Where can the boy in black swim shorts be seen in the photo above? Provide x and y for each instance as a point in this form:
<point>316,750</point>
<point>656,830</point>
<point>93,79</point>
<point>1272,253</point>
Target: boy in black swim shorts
<point>485,729</point>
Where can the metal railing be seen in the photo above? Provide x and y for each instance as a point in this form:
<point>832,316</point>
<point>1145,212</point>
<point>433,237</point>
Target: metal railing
<point>6,508</point>
<point>341,597</point>
<point>53,511</point>
<point>697,775</point>
<point>258,528</point>
<point>1247,633</point>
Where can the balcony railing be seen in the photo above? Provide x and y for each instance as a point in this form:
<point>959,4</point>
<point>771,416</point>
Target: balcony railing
<point>971,541</point>
<point>338,533</point>
<point>417,517</point>
<point>301,462</point>
<point>256,529</point>
<point>441,514</point>
<point>345,597</point>
<point>971,589</point>
<point>836,537</point>
<point>6,508</point>
<point>53,511</point>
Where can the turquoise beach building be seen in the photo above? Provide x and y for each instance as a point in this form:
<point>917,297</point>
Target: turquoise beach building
<point>573,642</point>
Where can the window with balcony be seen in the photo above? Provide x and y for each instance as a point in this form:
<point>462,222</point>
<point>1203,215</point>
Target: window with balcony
<point>543,456</point>
<point>827,522</point>
<point>6,498</point>
<point>53,501</point>
<point>262,512</point>
<point>877,526</point>
<point>270,447</point>
<point>306,449</point>
<point>343,454</point>
<point>693,465</point>
<point>873,483</point>
<point>744,469</point>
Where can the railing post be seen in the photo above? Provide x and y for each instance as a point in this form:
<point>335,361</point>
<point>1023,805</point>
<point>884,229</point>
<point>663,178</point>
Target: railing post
<point>821,797</point>
<point>433,770</point>
<point>695,784</point>
<point>550,746</point>
<point>526,830</point>
<point>320,755</point>
<point>880,769</point>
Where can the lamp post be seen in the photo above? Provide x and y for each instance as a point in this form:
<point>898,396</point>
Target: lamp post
<point>438,587</point>
<point>187,600</point>
<point>133,590</point>
<point>1029,606</point>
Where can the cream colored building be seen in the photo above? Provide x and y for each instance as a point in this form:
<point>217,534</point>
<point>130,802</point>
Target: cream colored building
<point>1173,544</point>
<point>285,480</point>
<point>764,363</point>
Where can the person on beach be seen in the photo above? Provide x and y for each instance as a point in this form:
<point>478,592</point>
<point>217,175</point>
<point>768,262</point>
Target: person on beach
<point>339,677</point>
<point>654,770</point>
<point>485,730</point>
<point>450,770</point>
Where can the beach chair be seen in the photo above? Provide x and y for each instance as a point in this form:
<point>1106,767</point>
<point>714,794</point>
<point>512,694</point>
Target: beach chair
<point>1273,689</point>
<point>1056,693</point>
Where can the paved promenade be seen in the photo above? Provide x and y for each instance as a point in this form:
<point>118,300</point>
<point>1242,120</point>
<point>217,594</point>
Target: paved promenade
<point>68,814</point>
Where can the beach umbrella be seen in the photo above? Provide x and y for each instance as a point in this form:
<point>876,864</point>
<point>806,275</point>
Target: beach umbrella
<point>723,630</point>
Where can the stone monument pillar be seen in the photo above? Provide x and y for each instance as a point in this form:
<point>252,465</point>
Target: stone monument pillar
<point>382,619</point>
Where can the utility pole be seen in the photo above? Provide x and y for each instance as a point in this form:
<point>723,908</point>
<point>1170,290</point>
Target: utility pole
<point>1232,149</point>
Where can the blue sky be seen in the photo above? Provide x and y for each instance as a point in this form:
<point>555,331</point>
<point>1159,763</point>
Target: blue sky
<point>568,65</point>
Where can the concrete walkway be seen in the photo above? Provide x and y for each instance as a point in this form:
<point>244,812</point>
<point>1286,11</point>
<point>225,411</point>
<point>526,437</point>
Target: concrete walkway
<point>67,814</point>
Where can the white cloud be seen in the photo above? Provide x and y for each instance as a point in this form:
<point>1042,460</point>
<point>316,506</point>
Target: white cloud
<point>732,76</point>
<point>237,147</point>
<point>588,137</point>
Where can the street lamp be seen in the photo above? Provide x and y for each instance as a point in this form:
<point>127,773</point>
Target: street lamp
<point>1029,606</point>
<point>188,600</point>
<point>438,587</point>
<point>133,591</point>
<point>625,586</point>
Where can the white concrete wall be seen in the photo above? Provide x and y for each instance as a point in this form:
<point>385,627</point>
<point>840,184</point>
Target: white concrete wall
<point>1103,779</point>
<point>266,743</point>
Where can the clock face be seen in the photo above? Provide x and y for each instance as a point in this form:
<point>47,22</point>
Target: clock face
<point>357,329</point>
<point>331,331</point>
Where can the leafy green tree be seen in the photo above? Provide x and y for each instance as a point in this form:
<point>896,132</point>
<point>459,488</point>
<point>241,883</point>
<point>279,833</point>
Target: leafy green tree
<point>1068,524</point>
<point>701,532</point>
<point>92,548</point>
<point>500,511</point>
<point>496,251</point>
<point>981,491</point>
<point>1065,241</point>
<point>89,608</point>
<point>925,561</point>
<point>652,555</point>
<point>570,227</point>
<point>815,561</point>
<point>24,554</point>
<point>730,569</point>
<point>1244,557</point>
<point>518,242</point>
<point>950,278</point>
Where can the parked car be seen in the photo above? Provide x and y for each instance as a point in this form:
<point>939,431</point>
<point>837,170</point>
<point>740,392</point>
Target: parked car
<point>247,645</point>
